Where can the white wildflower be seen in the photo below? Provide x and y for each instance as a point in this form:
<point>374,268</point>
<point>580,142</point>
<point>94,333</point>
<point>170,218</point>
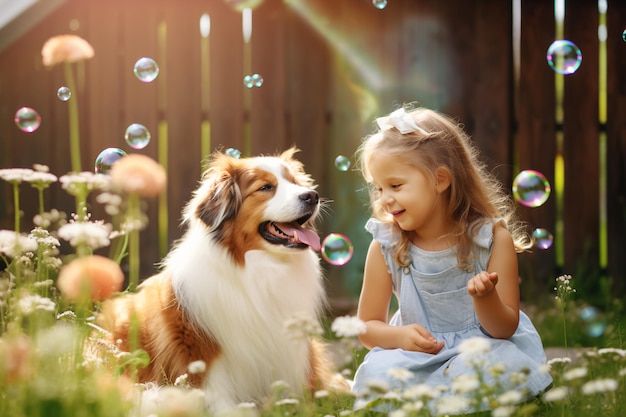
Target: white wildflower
<point>172,401</point>
<point>321,393</point>
<point>575,373</point>
<point>518,378</point>
<point>391,395</point>
<point>57,340</point>
<point>196,367</point>
<point>609,351</point>
<point>400,374</point>
<point>420,391</point>
<point>182,380</point>
<point>287,401</point>
<point>599,386</point>
<point>344,413</point>
<point>452,405</point>
<point>497,369</point>
<point>468,348</point>
<point>84,182</point>
<point>348,326</point>
<point>463,384</point>
<point>28,304</point>
<point>398,413</point>
<point>376,385</point>
<point>15,175</point>
<point>413,407</point>
<point>622,372</point>
<point>556,361</point>
<point>556,394</point>
<point>93,234</point>
<point>40,179</point>
<point>303,326</point>
<point>503,411</point>
<point>510,397</point>
<point>13,244</point>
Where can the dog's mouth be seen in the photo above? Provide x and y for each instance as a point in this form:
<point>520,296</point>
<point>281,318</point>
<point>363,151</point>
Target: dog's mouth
<point>290,235</point>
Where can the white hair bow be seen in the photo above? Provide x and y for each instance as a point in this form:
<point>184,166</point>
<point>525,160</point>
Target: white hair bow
<point>401,121</point>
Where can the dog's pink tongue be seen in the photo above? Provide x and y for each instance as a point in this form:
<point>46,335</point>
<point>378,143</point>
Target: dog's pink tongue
<point>306,236</point>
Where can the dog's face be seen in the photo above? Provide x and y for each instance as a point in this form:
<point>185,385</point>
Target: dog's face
<point>264,202</point>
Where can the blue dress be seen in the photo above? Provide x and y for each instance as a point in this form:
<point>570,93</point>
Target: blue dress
<point>432,292</point>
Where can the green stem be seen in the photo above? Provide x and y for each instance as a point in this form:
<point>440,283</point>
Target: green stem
<point>16,205</point>
<point>133,246</point>
<point>73,119</point>
<point>41,201</point>
<point>564,330</point>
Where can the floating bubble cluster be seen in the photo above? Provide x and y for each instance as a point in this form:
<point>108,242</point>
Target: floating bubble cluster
<point>337,249</point>
<point>234,153</point>
<point>379,4</point>
<point>107,158</point>
<point>594,322</point>
<point>564,57</point>
<point>254,80</point>
<point>342,163</point>
<point>137,136</point>
<point>27,119</point>
<point>64,93</point>
<point>542,238</point>
<point>531,188</point>
<point>146,69</point>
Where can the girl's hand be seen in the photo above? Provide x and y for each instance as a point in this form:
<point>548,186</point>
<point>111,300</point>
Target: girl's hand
<point>416,338</point>
<point>482,284</point>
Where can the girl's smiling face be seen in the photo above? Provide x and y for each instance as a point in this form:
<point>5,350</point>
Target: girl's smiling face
<point>407,193</point>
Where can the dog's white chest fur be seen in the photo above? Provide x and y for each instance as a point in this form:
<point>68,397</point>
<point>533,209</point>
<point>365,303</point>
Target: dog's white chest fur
<point>246,309</point>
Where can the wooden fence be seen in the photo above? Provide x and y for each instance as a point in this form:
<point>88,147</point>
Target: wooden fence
<point>329,68</point>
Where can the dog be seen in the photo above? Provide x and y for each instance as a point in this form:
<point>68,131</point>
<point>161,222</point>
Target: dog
<point>244,267</point>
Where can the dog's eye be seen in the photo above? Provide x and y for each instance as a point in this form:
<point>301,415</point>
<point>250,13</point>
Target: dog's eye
<point>266,187</point>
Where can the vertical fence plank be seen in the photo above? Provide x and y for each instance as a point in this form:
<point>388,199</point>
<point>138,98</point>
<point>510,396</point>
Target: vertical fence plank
<point>535,143</point>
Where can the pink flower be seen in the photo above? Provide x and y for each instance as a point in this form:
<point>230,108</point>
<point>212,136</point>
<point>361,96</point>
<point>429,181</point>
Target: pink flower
<point>97,275</point>
<point>65,48</point>
<point>137,173</point>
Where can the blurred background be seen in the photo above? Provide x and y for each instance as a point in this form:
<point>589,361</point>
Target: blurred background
<point>260,76</point>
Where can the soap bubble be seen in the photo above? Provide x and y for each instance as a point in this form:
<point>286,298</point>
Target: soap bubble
<point>564,57</point>
<point>234,153</point>
<point>146,69</point>
<point>594,322</point>
<point>624,35</point>
<point>531,188</point>
<point>379,4</point>
<point>337,249</point>
<point>542,238</point>
<point>27,119</point>
<point>254,80</point>
<point>137,136</point>
<point>64,93</point>
<point>342,163</point>
<point>107,158</point>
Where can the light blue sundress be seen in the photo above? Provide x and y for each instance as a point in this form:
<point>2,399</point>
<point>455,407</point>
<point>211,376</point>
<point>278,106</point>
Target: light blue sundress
<point>432,292</point>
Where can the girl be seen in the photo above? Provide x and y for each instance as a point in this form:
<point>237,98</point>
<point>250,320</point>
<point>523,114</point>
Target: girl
<point>445,244</point>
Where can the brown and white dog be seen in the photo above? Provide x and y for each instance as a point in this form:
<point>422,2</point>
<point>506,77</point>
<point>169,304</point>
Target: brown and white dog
<point>245,266</point>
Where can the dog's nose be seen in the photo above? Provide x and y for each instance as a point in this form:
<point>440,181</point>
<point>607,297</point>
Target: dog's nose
<point>310,197</point>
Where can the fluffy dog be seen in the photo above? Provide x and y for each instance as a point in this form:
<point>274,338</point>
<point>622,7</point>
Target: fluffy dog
<point>244,267</point>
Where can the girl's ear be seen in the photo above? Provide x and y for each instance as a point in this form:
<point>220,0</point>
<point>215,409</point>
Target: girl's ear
<point>442,179</point>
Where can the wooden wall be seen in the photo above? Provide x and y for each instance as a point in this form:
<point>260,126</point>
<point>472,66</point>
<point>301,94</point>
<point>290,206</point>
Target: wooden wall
<point>329,69</point>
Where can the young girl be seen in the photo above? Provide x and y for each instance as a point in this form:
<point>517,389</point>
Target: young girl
<point>445,244</point>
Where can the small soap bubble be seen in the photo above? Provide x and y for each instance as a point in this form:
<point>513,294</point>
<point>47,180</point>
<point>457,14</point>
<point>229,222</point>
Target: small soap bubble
<point>624,35</point>
<point>64,93</point>
<point>137,136</point>
<point>594,322</point>
<point>531,188</point>
<point>254,80</point>
<point>337,249</point>
<point>542,238</point>
<point>27,119</point>
<point>342,163</point>
<point>564,57</point>
<point>379,4</point>
<point>234,153</point>
<point>146,69</point>
<point>107,158</point>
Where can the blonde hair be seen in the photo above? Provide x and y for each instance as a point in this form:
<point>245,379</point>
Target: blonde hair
<point>474,196</point>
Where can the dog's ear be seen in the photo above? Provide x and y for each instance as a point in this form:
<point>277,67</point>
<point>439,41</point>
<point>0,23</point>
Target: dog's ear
<point>218,198</point>
<point>297,168</point>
